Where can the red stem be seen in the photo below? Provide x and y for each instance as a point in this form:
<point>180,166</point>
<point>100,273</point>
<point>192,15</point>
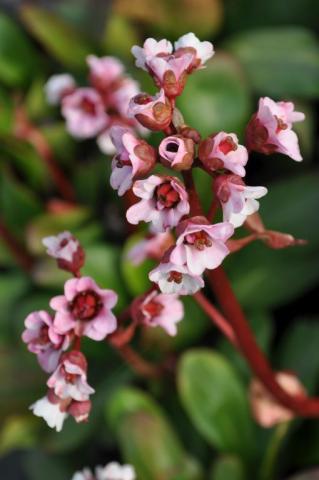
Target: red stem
<point>25,130</point>
<point>308,407</point>
<point>195,206</point>
<point>22,257</point>
<point>216,317</point>
<point>141,366</point>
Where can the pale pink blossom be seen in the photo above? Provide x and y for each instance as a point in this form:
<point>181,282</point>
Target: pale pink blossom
<point>120,97</point>
<point>58,86</point>
<point>150,49</point>
<point>270,129</point>
<point>266,409</point>
<point>160,310</point>
<point>176,279</point>
<point>177,152</point>
<point>153,112</point>
<point>134,157</point>
<point>200,245</point>
<point>170,72</point>
<point>152,247</point>
<point>115,471</point>
<point>223,151</point>
<point>66,249</point>
<point>85,474</point>
<point>85,309</point>
<point>104,71</point>
<point>84,112</point>
<point>43,339</point>
<point>202,51</point>
<point>69,379</point>
<point>237,200</point>
<point>49,409</point>
<point>164,201</point>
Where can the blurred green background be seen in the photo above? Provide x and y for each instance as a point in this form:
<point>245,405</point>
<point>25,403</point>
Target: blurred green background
<point>196,424</point>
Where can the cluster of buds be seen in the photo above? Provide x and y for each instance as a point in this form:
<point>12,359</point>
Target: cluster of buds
<point>91,111</point>
<point>85,309</point>
<point>181,237</point>
<point>111,471</point>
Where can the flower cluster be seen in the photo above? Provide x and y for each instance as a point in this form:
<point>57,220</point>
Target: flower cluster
<point>85,309</point>
<point>91,111</point>
<point>181,236</point>
<point>111,471</point>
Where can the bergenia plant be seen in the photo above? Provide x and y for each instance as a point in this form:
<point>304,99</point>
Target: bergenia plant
<point>189,242</point>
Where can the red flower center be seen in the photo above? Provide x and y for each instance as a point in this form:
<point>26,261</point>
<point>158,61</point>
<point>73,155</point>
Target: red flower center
<point>281,125</point>
<point>167,195</point>
<point>176,277</point>
<point>43,337</point>
<point>227,145</point>
<point>143,99</point>
<point>153,308</point>
<point>88,106</point>
<point>69,377</point>
<point>86,305</point>
<point>200,240</point>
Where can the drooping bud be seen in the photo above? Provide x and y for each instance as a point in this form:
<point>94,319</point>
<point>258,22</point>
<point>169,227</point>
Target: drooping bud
<point>66,249</point>
<point>154,113</point>
<point>177,152</point>
<point>192,133</point>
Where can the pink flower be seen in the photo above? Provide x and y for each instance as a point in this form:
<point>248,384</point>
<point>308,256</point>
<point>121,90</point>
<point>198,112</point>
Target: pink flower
<point>43,340</point>
<point>69,379</point>
<point>170,72</point>
<point>177,152</point>
<point>84,112</point>
<point>202,51</point>
<point>154,112</point>
<point>237,200</point>
<point>50,410</point>
<point>104,71</point>
<point>159,310</point>
<point>266,410</point>
<point>152,247</point>
<point>67,250</point>
<point>270,129</point>
<point>164,202</point>
<point>223,151</point>
<point>200,245</point>
<point>80,411</point>
<point>85,309</point>
<point>175,279</point>
<point>115,471</point>
<point>150,49</point>
<point>134,157</point>
<point>58,86</point>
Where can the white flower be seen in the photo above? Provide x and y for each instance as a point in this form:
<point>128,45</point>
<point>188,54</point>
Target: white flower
<point>176,279</point>
<point>204,50</point>
<point>50,412</point>
<point>86,474</point>
<point>115,471</point>
<point>62,246</point>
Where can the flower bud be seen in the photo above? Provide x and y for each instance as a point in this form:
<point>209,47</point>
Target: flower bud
<point>67,251</point>
<point>192,133</point>
<point>80,410</point>
<point>154,113</point>
<point>177,152</point>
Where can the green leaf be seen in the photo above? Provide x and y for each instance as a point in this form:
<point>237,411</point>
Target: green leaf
<point>120,34</point>
<point>18,61</point>
<point>147,439</point>
<point>61,40</point>
<point>228,467</point>
<point>135,276</point>
<point>6,109</point>
<point>298,352</point>
<point>279,61</point>
<point>216,402</point>
<point>216,98</point>
<point>12,287</point>
<point>18,431</point>
<point>263,277</point>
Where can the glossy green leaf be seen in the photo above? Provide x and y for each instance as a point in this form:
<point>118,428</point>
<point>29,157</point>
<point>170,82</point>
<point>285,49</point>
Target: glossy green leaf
<point>18,60</point>
<point>216,401</point>
<point>298,352</point>
<point>228,467</point>
<point>64,42</point>
<point>6,112</point>
<point>279,61</point>
<point>12,287</point>
<point>263,277</point>
<point>147,439</point>
<point>216,98</point>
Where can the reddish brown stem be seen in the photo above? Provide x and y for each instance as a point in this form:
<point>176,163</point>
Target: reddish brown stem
<point>137,363</point>
<point>213,209</point>
<point>216,317</point>
<point>25,130</point>
<point>20,254</point>
<point>303,406</point>
<point>195,206</point>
